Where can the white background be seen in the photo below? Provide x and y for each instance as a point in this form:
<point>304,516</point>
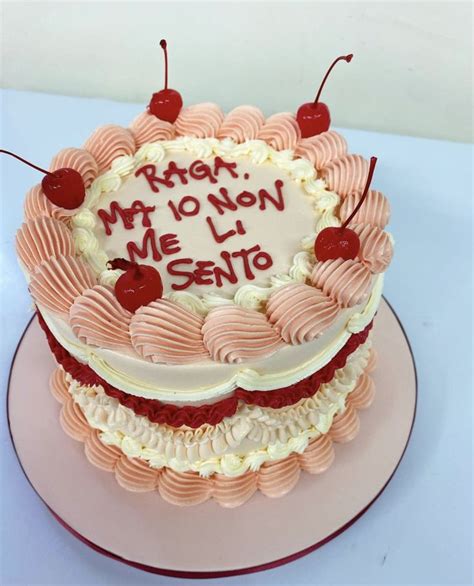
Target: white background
<point>411,73</point>
<point>420,529</point>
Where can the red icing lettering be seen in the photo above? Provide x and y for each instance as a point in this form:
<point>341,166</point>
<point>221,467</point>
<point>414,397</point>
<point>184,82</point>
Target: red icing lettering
<point>264,195</point>
<point>202,272</point>
<point>172,170</point>
<point>148,242</point>
<point>175,272</point>
<point>219,238</point>
<point>244,255</point>
<point>262,261</point>
<point>192,210</point>
<point>176,214</point>
<point>220,204</point>
<point>246,199</point>
<point>219,273</point>
<point>169,243</point>
<point>149,171</point>
<point>127,215</point>
<point>199,170</point>
<point>240,228</point>
<point>229,167</point>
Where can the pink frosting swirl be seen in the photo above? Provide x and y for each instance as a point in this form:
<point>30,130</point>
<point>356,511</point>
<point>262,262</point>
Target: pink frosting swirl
<point>164,331</point>
<point>109,142</point>
<point>37,204</point>
<point>101,455</point>
<point>98,319</point>
<point>347,174</point>
<point>57,282</point>
<point>276,479</point>
<point>322,148</point>
<point>148,128</point>
<point>347,282</point>
<point>300,313</point>
<point>345,426</point>
<point>232,492</point>
<point>318,456</point>
<point>242,123</point>
<point>375,210</point>
<point>58,385</point>
<point>376,248</point>
<point>234,334</point>
<point>135,475</point>
<point>363,395</point>
<point>200,120</point>
<point>73,421</point>
<point>280,131</point>
<point>78,159</point>
<point>184,488</point>
<point>42,238</point>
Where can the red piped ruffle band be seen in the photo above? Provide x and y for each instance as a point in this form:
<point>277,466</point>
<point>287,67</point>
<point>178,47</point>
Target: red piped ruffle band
<point>212,414</point>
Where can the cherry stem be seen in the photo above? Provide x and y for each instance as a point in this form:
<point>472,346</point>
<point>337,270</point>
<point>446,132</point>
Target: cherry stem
<point>373,162</point>
<point>347,58</point>
<point>26,162</point>
<point>164,46</point>
<point>122,263</point>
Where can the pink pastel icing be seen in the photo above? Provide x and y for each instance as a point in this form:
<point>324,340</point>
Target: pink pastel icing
<point>348,282</point>
<point>234,334</point>
<point>184,488</point>
<point>78,159</point>
<point>148,128</point>
<point>375,210</point>
<point>322,148</point>
<point>164,331</point>
<point>57,282</point>
<point>242,123</point>
<point>200,120</point>
<point>363,395</point>
<point>318,456</point>
<point>101,455</point>
<point>42,238</point>
<point>109,142</point>
<point>73,421</point>
<point>376,248</point>
<point>232,492</point>
<point>345,426</point>
<point>276,479</point>
<point>36,204</point>
<point>300,313</point>
<point>347,174</point>
<point>280,131</point>
<point>58,385</point>
<point>135,475</point>
<point>98,319</point>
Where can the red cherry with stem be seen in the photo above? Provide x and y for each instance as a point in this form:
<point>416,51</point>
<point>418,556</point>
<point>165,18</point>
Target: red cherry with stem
<point>167,103</point>
<point>313,117</point>
<point>342,242</point>
<point>139,285</point>
<point>63,187</point>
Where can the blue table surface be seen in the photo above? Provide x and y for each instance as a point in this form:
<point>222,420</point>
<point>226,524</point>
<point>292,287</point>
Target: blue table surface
<point>419,530</point>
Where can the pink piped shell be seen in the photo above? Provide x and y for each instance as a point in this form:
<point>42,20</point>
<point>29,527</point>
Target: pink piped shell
<point>164,331</point>
<point>345,426</point>
<point>148,128</point>
<point>38,240</point>
<point>318,456</point>
<point>347,174</point>
<point>57,282</point>
<point>374,211</point>
<point>280,131</point>
<point>184,488</point>
<point>58,385</point>
<point>200,120</point>
<point>300,313</point>
<point>98,319</point>
<point>322,148</point>
<point>74,422</point>
<point>242,123</point>
<point>78,159</point>
<point>101,455</point>
<point>276,479</point>
<point>234,334</point>
<point>135,475</point>
<point>109,142</point>
<point>376,248</point>
<point>37,204</point>
<point>363,395</point>
<point>348,282</point>
<point>234,491</point>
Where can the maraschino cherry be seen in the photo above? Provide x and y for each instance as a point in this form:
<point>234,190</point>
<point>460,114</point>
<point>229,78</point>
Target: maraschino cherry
<point>167,103</point>
<point>139,285</point>
<point>313,117</point>
<point>342,242</point>
<point>63,187</point>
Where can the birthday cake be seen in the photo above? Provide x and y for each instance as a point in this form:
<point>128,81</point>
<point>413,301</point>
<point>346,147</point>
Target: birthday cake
<point>207,283</point>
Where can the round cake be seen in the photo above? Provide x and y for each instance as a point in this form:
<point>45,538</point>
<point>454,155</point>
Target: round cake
<point>210,342</point>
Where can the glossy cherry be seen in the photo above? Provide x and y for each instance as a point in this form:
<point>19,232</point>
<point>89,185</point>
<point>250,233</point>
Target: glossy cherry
<point>139,284</point>
<point>342,242</point>
<point>313,117</point>
<point>63,187</point>
<point>167,103</point>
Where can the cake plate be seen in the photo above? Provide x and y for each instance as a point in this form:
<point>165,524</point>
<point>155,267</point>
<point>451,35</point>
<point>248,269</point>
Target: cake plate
<point>144,531</point>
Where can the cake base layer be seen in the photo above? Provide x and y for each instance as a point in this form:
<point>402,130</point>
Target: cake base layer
<point>75,490</point>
